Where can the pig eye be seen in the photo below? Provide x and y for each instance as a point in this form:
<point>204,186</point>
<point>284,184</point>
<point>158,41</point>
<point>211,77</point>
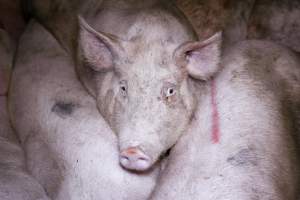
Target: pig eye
<point>170,92</point>
<point>123,88</point>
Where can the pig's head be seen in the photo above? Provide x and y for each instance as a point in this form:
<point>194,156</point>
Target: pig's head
<point>143,84</point>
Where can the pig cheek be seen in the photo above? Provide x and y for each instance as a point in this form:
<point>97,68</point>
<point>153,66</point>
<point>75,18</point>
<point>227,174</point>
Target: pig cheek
<point>110,108</point>
<point>118,113</point>
<point>105,105</point>
<point>178,123</point>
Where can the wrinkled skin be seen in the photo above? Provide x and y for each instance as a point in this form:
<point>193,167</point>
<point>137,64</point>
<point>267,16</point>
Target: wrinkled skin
<point>15,181</point>
<point>69,148</point>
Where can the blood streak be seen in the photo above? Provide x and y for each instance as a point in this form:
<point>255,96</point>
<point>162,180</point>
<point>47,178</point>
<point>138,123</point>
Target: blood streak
<point>215,129</point>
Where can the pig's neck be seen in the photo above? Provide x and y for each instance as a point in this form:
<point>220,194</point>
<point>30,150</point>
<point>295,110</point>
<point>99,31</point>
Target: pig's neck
<point>204,129</point>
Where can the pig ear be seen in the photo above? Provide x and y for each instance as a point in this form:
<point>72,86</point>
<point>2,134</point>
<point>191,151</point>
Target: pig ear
<point>98,49</point>
<point>201,59</point>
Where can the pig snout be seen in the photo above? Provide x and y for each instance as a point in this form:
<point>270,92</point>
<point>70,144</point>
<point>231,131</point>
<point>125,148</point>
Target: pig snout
<point>133,158</point>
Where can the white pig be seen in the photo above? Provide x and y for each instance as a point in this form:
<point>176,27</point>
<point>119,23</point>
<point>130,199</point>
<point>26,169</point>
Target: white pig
<point>69,148</point>
<point>242,144</point>
<point>151,79</point>
<point>15,181</point>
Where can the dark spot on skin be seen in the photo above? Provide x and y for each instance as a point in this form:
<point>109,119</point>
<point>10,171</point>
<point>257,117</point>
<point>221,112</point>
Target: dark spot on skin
<point>192,118</point>
<point>64,109</point>
<point>245,157</point>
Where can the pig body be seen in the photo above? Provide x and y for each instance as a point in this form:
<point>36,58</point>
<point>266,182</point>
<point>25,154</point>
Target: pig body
<point>256,97</point>
<point>276,21</point>
<point>15,181</point>
<point>150,77</point>
<point>137,55</point>
<point>153,91</point>
<point>60,17</point>
<point>208,17</point>
<point>69,148</point>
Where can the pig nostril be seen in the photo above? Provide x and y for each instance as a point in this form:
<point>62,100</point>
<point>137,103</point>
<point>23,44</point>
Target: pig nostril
<point>143,159</point>
<point>134,159</point>
<point>124,160</point>
<point>124,157</point>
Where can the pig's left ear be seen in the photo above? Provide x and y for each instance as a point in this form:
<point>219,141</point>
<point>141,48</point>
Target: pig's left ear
<point>97,53</point>
<point>201,59</point>
<point>98,49</point>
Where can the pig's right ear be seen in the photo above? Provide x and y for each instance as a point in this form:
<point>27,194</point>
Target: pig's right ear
<point>98,50</point>
<point>200,59</point>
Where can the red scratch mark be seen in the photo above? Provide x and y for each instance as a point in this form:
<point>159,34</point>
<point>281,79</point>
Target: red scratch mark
<point>215,129</point>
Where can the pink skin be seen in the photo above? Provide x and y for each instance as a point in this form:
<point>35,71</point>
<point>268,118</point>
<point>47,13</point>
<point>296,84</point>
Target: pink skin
<point>103,54</point>
<point>215,137</point>
<point>134,158</point>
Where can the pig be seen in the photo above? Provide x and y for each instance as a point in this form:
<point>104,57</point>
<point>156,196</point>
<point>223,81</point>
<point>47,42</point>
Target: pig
<point>59,17</point>
<point>277,21</point>
<point>69,148</point>
<point>129,68</point>
<point>208,17</point>
<point>242,143</point>
<point>15,181</point>
<point>152,79</point>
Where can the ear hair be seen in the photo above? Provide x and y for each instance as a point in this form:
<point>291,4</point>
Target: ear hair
<point>201,59</point>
